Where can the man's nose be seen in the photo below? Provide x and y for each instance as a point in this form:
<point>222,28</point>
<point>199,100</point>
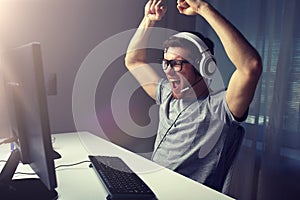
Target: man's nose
<point>169,70</point>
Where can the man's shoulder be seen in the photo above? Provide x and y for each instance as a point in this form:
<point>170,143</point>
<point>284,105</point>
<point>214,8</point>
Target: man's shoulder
<point>217,94</point>
<point>163,90</point>
<point>164,86</point>
<point>216,101</point>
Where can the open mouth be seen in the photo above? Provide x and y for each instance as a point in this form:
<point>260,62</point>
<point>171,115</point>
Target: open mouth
<point>175,85</point>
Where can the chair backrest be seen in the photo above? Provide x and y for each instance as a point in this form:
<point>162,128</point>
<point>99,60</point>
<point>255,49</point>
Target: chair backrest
<point>230,151</point>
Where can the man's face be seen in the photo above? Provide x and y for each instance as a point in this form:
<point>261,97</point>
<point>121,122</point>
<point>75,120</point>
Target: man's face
<point>181,79</point>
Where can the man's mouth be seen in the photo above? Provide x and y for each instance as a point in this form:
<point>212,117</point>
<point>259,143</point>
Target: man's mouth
<point>175,84</point>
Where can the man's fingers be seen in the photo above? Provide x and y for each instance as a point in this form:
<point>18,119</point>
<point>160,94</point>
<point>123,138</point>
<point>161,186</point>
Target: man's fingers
<point>182,4</point>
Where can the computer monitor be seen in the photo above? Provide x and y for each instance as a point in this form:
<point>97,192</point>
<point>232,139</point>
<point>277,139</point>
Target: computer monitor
<point>28,116</point>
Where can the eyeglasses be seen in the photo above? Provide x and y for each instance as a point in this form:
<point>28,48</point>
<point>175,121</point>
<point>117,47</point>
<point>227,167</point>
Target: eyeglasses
<point>176,65</point>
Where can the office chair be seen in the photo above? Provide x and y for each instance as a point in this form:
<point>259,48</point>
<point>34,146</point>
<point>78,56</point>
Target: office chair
<point>229,154</point>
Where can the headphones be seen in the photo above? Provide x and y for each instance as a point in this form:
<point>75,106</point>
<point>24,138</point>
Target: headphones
<point>207,64</point>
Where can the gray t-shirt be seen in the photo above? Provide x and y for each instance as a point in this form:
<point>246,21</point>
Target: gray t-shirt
<point>192,133</point>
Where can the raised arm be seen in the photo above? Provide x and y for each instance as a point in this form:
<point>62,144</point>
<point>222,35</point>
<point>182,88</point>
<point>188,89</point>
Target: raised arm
<point>245,58</point>
<point>135,59</point>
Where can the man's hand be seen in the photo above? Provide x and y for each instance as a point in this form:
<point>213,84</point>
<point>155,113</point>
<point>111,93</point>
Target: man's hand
<point>154,10</point>
<point>189,7</point>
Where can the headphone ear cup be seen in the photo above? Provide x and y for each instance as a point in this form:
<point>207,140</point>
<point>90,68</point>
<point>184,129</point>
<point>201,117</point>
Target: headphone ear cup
<point>207,65</point>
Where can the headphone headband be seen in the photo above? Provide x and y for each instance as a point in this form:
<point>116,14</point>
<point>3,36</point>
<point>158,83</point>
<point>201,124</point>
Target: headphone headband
<point>194,39</point>
<point>207,65</point>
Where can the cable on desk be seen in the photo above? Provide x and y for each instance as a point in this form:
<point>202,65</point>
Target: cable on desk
<point>67,165</point>
<point>73,164</point>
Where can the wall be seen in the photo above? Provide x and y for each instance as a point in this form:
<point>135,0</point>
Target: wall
<point>69,31</point>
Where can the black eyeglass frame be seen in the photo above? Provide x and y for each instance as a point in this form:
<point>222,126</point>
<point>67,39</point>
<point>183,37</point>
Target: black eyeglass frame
<point>176,65</point>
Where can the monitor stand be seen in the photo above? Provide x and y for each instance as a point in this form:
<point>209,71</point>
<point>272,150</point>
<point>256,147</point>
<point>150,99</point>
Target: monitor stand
<point>56,155</point>
<point>32,189</point>
<point>28,188</point>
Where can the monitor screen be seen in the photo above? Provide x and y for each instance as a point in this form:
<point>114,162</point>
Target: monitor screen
<point>28,116</point>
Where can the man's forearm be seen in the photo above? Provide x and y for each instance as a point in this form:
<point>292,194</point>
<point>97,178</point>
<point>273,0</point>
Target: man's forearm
<point>136,52</point>
<point>135,59</point>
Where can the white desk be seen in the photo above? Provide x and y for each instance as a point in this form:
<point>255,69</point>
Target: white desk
<point>80,182</point>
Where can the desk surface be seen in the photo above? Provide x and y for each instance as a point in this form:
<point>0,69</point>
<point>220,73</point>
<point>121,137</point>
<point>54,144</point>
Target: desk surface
<point>81,182</point>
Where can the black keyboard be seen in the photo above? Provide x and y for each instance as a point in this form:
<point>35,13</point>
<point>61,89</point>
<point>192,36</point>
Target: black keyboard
<point>119,180</point>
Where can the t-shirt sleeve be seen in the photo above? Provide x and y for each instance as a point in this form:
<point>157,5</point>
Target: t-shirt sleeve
<point>235,119</point>
<point>220,107</point>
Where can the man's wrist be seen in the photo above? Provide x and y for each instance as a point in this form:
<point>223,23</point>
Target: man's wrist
<point>148,22</point>
<point>203,8</point>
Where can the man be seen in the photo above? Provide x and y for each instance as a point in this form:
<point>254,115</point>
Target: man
<point>196,127</point>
